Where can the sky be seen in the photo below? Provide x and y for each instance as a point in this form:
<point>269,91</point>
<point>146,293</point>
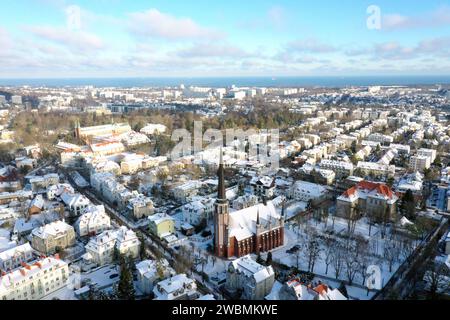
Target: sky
<point>204,38</point>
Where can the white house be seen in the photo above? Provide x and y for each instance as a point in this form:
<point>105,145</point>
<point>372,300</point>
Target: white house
<point>57,190</point>
<point>150,272</point>
<point>178,287</point>
<point>307,191</point>
<point>263,186</point>
<point>254,280</point>
<point>75,202</point>
<point>14,257</point>
<point>100,250</point>
<point>94,220</point>
<point>195,212</point>
<point>186,191</point>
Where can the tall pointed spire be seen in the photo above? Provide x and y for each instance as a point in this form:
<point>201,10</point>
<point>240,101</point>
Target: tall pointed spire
<point>257,219</point>
<point>221,194</point>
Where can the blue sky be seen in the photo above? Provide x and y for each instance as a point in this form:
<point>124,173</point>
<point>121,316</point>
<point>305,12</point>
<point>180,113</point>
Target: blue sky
<point>118,38</point>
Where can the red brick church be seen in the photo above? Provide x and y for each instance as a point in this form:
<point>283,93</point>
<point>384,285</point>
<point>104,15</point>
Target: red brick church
<point>252,230</point>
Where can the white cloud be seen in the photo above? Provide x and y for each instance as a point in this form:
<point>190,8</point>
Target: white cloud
<point>209,50</point>
<point>80,41</point>
<point>437,18</point>
<point>153,23</point>
<point>310,45</point>
<point>5,41</point>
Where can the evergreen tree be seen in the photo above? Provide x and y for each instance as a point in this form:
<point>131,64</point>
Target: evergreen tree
<point>259,259</point>
<point>142,249</point>
<point>269,258</point>
<point>343,289</point>
<point>408,205</point>
<point>125,288</point>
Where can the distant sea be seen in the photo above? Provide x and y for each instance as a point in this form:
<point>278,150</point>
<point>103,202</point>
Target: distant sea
<point>238,81</point>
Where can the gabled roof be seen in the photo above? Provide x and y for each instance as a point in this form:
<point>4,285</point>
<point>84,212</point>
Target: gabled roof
<point>366,188</point>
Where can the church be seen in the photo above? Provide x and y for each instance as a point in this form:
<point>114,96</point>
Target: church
<point>255,229</point>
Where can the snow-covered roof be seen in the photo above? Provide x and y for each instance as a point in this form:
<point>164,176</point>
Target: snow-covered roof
<point>312,189</point>
<point>243,222</point>
<point>159,218</point>
<point>10,253</point>
<point>19,274</point>
<point>251,268</point>
<point>52,229</point>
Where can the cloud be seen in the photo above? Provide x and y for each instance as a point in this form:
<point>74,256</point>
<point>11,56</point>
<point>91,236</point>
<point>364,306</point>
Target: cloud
<point>209,50</point>
<point>310,45</point>
<point>5,40</point>
<point>393,50</point>
<point>275,17</point>
<point>437,18</point>
<point>78,40</point>
<point>153,23</point>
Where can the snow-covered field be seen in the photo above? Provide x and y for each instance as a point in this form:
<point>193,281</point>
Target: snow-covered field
<point>374,253</point>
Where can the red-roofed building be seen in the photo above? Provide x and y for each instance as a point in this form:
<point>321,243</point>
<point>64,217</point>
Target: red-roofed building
<point>367,198</point>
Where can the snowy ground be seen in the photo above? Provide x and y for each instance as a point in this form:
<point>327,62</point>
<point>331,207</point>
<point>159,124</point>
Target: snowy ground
<point>102,276</point>
<point>295,236</point>
<point>5,242</point>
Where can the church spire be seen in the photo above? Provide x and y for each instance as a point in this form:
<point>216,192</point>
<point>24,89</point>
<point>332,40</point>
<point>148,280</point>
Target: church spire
<point>221,194</point>
<point>257,219</point>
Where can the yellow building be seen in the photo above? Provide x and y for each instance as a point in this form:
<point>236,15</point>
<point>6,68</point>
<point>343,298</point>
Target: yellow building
<point>161,225</point>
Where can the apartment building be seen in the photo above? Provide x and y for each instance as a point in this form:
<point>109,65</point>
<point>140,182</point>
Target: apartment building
<point>56,235</point>
<point>34,281</point>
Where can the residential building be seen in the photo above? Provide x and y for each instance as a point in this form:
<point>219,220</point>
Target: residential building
<point>93,221</point>
<point>341,168</point>
<point>150,272</point>
<point>249,277</point>
<point>56,235</point>
<point>307,191</point>
<point>14,257</point>
<point>430,153</point>
<point>34,281</point>
<point>376,170</point>
<point>161,225</point>
<point>140,207</point>
<point>100,250</point>
<point>263,187</point>
<point>197,211</point>
<point>184,193</point>
<point>367,198</point>
<point>178,287</point>
<point>39,184</point>
<point>104,130</point>
<point>75,202</point>
<point>419,163</point>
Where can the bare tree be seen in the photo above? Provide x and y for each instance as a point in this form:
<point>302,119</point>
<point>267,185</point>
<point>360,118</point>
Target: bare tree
<point>328,252</point>
<point>338,259</point>
<point>362,246</point>
<point>438,279</point>
<point>391,253</point>
<point>351,262</point>
<point>312,249</point>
